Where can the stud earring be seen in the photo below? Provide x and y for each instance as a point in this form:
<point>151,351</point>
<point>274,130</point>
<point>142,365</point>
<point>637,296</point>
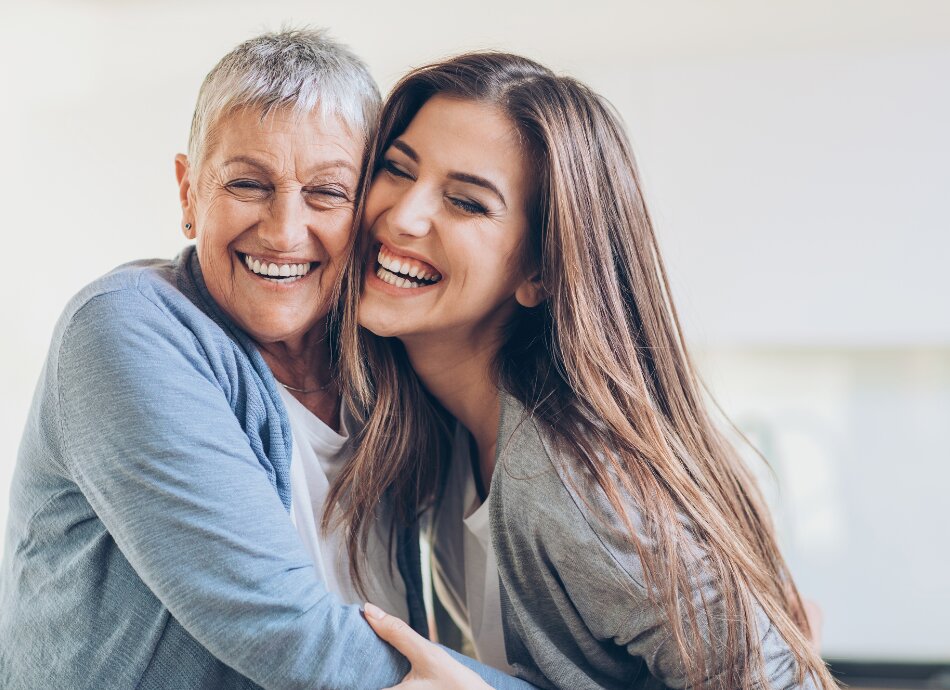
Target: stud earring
<point>187,226</point>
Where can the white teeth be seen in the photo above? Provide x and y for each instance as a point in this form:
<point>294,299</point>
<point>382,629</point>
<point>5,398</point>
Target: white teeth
<point>388,276</point>
<point>273,270</point>
<point>405,267</point>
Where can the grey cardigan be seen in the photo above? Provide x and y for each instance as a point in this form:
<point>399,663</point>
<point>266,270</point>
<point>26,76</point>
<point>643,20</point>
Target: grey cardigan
<point>575,611</point>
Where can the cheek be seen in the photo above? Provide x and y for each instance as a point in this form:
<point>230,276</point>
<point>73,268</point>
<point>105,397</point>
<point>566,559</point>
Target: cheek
<point>221,220</point>
<point>380,198</point>
<point>334,233</point>
<point>488,269</point>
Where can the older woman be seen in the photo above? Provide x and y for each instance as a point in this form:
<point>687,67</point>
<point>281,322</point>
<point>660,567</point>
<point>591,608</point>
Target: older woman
<point>164,510</point>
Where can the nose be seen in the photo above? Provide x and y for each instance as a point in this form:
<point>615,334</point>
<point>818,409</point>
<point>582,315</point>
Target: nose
<point>285,228</point>
<point>412,212</point>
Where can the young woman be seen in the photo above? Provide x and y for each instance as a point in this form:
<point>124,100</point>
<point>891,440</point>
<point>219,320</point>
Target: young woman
<point>521,369</point>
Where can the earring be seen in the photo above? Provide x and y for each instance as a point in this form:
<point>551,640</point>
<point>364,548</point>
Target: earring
<point>187,226</point>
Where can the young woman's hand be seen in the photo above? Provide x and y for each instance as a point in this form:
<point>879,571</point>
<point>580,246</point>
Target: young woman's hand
<point>432,667</point>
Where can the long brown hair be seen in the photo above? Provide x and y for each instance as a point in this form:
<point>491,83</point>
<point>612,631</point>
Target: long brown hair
<point>603,353</point>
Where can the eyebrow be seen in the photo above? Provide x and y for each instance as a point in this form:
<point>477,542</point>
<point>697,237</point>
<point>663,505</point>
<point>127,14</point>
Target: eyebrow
<point>467,178</point>
<point>328,165</point>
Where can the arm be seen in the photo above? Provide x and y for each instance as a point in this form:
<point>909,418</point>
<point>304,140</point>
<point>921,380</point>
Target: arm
<point>151,440</point>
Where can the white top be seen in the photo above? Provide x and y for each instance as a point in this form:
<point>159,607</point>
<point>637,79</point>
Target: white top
<point>466,579</point>
<point>318,455</point>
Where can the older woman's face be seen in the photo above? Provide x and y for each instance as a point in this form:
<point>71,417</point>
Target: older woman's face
<point>271,208</point>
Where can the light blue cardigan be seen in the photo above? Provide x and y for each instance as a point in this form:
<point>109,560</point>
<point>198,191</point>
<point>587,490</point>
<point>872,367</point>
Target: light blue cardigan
<point>148,542</point>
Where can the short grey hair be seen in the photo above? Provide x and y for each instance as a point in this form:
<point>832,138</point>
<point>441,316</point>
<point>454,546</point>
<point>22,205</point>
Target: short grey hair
<point>300,69</point>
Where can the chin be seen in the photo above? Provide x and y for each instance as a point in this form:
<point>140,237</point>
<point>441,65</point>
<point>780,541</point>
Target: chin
<point>383,331</point>
<point>273,329</point>
<point>384,328</point>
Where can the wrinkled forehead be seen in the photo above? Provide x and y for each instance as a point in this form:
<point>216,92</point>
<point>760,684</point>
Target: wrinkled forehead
<point>254,125</point>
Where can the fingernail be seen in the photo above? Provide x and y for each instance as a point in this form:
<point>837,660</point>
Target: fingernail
<point>373,612</point>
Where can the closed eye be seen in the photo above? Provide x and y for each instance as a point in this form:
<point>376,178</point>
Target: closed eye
<point>470,207</point>
<point>395,169</point>
<point>328,192</point>
<point>247,186</point>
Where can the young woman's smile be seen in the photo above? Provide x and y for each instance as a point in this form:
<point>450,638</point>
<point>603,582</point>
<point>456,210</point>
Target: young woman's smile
<point>400,273</point>
<point>447,221</point>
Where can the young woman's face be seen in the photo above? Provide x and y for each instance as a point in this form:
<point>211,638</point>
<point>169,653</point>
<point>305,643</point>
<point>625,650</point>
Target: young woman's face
<point>446,217</point>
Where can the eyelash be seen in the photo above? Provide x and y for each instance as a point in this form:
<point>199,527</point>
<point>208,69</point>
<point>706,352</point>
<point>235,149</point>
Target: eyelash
<point>334,192</point>
<point>472,208</point>
<point>469,207</point>
<point>246,184</point>
<point>395,170</point>
<point>254,185</point>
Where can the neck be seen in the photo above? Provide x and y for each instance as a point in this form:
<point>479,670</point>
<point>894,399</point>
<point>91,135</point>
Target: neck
<point>303,363</point>
<point>458,372</point>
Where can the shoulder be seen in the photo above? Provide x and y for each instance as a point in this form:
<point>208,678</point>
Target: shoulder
<point>136,310</point>
<point>547,496</point>
<point>139,288</point>
<point>135,332</point>
<point>534,465</point>
<point>558,543</point>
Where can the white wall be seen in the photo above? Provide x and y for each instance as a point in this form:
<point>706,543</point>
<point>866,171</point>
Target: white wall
<point>794,156</point>
<point>857,441</point>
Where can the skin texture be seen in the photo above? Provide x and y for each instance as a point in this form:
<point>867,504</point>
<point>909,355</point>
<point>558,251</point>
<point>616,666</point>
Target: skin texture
<point>470,234</point>
<point>280,189</point>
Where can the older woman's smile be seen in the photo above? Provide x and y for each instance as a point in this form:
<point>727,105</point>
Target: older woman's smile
<point>278,270</point>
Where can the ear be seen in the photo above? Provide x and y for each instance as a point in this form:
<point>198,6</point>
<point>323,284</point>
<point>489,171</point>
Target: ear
<point>530,293</point>
<point>183,175</point>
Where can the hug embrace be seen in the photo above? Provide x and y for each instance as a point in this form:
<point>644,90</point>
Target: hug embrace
<point>439,318</point>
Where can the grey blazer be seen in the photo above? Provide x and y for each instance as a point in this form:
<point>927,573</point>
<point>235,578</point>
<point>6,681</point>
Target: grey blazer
<point>575,611</point>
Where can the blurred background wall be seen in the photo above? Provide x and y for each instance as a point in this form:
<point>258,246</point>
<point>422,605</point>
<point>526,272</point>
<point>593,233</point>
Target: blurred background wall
<point>795,156</point>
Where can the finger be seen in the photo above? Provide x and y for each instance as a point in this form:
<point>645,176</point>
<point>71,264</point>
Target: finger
<point>394,631</point>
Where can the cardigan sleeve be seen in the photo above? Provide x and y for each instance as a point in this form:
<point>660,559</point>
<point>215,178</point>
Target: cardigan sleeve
<point>574,582</point>
<point>152,442</point>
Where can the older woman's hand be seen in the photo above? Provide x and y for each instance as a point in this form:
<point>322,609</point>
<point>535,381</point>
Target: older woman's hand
<point>432,667</point>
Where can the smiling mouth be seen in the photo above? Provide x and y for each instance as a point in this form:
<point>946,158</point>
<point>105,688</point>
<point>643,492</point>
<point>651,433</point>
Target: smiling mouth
<point>403,271</point>
<point>277,272</point>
